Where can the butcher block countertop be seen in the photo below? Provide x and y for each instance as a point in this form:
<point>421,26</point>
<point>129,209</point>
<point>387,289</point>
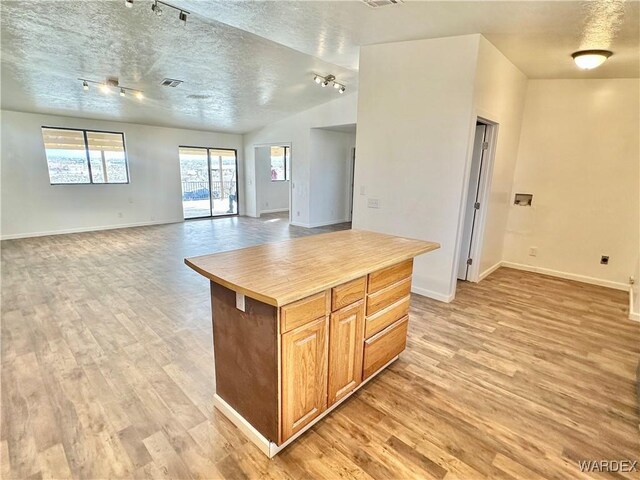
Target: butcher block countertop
<point>283,272</point>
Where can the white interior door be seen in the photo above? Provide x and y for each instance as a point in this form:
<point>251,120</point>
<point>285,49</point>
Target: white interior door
<point>472,205</point>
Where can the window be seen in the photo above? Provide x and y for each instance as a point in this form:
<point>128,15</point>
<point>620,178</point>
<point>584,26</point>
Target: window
<point>280,163</point>
<point>85,156</point>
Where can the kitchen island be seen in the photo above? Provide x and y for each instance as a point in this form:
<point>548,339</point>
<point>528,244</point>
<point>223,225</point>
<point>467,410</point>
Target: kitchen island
<point>301,324</point>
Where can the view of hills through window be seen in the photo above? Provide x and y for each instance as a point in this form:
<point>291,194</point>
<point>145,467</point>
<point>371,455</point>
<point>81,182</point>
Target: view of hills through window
<point>85,156</point>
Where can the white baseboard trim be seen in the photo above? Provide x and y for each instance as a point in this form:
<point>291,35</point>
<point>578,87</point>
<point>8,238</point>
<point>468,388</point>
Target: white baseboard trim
<point>269,448</point>
<point>489,271</point>
<point>633,315</point>
<point>330,222</point>
<point>431,294</point>
<point>243,425</point>
<point>86,229</point>
<point>566,275</point>
<point>274,210</point>
<point>318,224</point>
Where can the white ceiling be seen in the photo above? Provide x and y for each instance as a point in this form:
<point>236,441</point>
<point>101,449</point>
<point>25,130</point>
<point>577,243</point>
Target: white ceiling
<point>248,63</point>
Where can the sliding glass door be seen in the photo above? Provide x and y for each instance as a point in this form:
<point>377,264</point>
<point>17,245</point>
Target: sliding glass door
<point>209,182</point>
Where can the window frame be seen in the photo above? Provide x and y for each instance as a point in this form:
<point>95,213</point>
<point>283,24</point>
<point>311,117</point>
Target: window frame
<point>88,155</point>
<point>235,153</point>
<point>287,149</point>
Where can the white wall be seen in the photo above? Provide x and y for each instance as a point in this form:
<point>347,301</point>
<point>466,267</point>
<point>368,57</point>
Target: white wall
<point>272,196</point>
<point>413,143</point>
<point>579,157</point>
<point>499,96</point>
<point>331,164</point>
<point>31,206</point>
<point>296,130</point>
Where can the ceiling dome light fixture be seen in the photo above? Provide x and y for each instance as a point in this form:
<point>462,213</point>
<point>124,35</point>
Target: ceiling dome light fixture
<point>590,59</point>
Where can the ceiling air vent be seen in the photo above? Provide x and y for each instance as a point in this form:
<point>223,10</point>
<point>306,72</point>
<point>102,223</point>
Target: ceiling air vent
<point>170,82</point>
<point>381,3</point>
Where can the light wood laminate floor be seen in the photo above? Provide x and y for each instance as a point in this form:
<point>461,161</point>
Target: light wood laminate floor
<point>107,372</point>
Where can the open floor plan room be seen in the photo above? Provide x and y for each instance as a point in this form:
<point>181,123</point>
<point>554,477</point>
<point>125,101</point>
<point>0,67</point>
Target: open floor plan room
<point>107,360</point>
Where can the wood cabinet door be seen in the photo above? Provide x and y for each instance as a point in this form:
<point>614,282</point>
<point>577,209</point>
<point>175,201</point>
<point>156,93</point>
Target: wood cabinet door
<point>304,375</point>
<point>346,342</point>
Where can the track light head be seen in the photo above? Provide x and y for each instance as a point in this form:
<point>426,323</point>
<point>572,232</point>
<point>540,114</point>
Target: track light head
<point>122,92</point>
<point>105,89</point>
<point>139,95</point>
<point>183,16</point>
<point>327,80</point>
<point>155,8</point>
<point>85,85</point>
<point>128,3</point>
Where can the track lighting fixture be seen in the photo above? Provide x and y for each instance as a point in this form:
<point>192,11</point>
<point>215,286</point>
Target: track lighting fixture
<point>109,85</point>
<point>329,79</point>
<point>157,7</point>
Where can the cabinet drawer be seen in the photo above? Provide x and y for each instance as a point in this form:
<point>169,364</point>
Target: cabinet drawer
<point>348,293</point>
<point>385,277</point>
<point>381,348</point>
<point>303,311</point>
<point>387,296</point>
<point>387,316</point>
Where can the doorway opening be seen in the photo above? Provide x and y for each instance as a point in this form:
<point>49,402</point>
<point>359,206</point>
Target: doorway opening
<point>209,181</point>
<point>273,180</point>
<point>475,206</point>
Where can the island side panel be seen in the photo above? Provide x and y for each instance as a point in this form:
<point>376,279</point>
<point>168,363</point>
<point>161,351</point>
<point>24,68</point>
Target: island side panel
<point>246,358</point>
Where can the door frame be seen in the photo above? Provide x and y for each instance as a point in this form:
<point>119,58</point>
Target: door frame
<point>255,182</point>
<point>235,151</point>
<point>484,187</point>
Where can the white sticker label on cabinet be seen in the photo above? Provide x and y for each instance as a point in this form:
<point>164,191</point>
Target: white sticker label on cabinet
<point>240,301</point>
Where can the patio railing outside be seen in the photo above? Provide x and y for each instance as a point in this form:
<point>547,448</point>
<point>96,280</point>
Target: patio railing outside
<point>199,190</point>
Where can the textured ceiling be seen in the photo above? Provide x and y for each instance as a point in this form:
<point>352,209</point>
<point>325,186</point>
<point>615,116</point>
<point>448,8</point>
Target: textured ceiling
<point>233,80</point>
<point>537,36</point>
<point>248,63</point>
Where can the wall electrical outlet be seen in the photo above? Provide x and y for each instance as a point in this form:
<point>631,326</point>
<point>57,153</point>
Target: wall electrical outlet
<point>533,251</point>
<point>604,259</point>
<point>373,203</point>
